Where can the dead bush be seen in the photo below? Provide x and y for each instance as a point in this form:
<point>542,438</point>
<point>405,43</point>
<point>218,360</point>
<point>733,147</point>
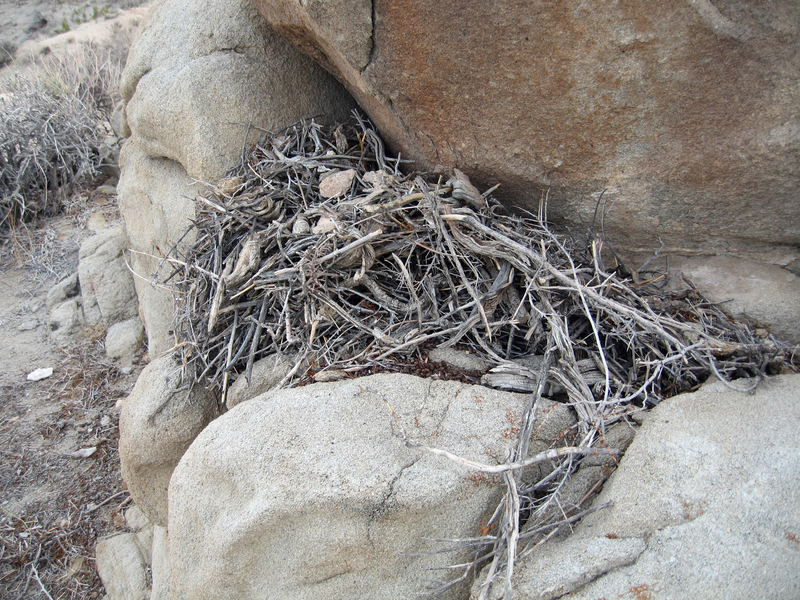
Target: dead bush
<point>52,123</point>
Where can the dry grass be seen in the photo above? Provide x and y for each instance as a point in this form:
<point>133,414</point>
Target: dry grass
<point>56,506</point>
<point>59,504</point>
<point>48,527</point>
<point>394,262</point>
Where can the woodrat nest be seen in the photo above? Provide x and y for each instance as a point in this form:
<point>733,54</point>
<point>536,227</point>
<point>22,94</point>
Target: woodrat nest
<point>318,247</point>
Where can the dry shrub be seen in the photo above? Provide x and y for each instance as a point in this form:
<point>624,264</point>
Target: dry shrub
<point>52,123</point>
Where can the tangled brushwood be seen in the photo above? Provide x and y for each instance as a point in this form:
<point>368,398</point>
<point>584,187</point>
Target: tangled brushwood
<point>319,248</point>
<point>52,123</point>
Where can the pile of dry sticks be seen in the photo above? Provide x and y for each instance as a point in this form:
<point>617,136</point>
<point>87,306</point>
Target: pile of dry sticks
<point>319,247</point>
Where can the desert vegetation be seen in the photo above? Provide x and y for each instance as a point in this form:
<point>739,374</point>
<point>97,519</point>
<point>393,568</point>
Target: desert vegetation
<point>53,120</point>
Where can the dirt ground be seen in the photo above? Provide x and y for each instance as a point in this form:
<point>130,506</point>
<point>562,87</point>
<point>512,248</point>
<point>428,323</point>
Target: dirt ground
<point>60,485</point>
<point>24,21</point>
<point>54,503</point>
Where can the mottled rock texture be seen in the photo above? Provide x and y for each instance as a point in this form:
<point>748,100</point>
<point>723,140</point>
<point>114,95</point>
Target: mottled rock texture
<point>200,71</point>
<point>107,289</point>
<point>123,339</point>
<point>709,488</point>
<point>683,114</point>
<point>158,422</point>
<point>122,567</point>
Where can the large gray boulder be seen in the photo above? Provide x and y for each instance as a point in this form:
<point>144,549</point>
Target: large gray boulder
<point>158,422</point>
<point>156,200</point>
<point>683,114</point>
<point>197,75</point>
<point>311,492</point>
<point>200,71</point>
<point>705,501</point>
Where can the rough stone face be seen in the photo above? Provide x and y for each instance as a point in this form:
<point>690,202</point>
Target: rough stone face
<point>311,492</point>
<point>682,114</point>
<point>122,567</point>
<point>107,290</point>
<point>160,565</point>
<point>457,359</point>
<point>708,487</point>
<point>199,71</point>
<point>65,320</point>
<point>123,339</point>
<point>334,41</point>
<point>124,559</point>
<point>267,373</point>
<point>65,289</point>
<point>157,423</point>
<point>562,567</point>
<point>766,295</point>
<point>135,519</point>
<point>156,201</point>
<point>197,74</point>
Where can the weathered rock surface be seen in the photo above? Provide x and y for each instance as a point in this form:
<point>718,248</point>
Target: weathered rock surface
<point>160,565</point>
<point>66,289</point>
<point>457,359</point>
<point>682,114</point>
<point>106,284</point>
<point>122,567</point>
<point>767,295</point>
<point>157,423</point>
<point>156,201</point>
<point>135,519</point>
<point>709,486</point>
<point>199,71</point>
<point>197,74</point>
<point>311,492</point>
<point>561,567</point>
<point>124,560</point>
<point>65,320</point>
<point>140,525</point>
<point>267,373</point>
<point>123,339</point>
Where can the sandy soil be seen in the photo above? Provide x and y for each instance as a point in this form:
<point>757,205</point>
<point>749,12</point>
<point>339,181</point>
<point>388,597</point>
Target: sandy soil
<point>55,504</point>
<point>33,21</point>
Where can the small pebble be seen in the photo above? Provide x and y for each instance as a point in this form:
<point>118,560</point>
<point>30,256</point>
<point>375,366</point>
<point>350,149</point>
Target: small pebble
<point>300,227</point>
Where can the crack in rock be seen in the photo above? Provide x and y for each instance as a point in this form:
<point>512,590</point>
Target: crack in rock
<point>382,507</point>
